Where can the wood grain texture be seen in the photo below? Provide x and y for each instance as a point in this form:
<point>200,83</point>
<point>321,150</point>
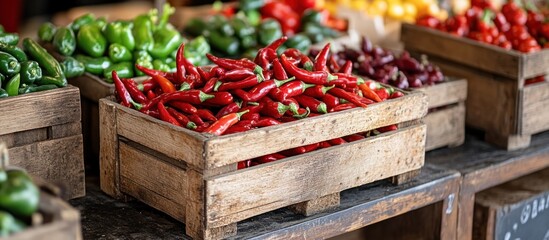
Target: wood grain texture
<point>64,130</point>
<point>510,142</point>
<point>58,161</point>
<point>445,127</point>
<point>24,137</point>
<point>40,109</point>
<point>405,177</point>
<point>535,108</point>
<point>220,151</point>
<point>108,155</point>
<point>465,51</point>
<point>317,205</point>
<point>278,184</point>
<point>446,93</point>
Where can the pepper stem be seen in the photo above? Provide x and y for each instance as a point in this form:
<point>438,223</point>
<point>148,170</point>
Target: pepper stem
<point>184,86</point>
<point>4,156</point>
<point>322,108</point>
<point>326,89</point>
<point>307,85</point>
<point>279,83</point>
<point>217,85</point>
<point>304,115</point>
<point>204,96</point>
<point>259,72</point>
<point>331,77</point>
<point>136,105</point>
<point>239,114</point>
<point>308,66</point>
<point>191,125</point>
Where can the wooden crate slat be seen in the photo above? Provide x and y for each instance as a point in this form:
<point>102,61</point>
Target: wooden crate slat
<point>446,93</point>
<point>445,127</point>
<point>108,155</point>
<point>40,109</point>
<point>236,196</point>
<point>45,158</point>
<point>24,137</point>
<point>175,142</point>
<point>140,166</point>
<point>258,142</point>
<point>535,64</point>
<point>535,108</point>
<point>65,130</point>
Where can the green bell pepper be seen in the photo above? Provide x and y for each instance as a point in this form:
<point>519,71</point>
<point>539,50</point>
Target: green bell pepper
<point>35,88</point>
<point>159,65</point>
<point>81,21</point>
<point>3,93</point>
<point>311,16</point>
<point>270,31</point>
<point>51,69</point>
<point>18,194</point>
<point>299,41</point>
<point>143,62</point>
<point>46,31</point>
<point>30,72</point>
<point>91,40</point>
<point>119,53</point>
<point>94,65</point>
<point>9,38</point>
<point>166,40</point>
<point>72,67</point>
<point>9,224</point>
<point>241,27</point>
<point>123,69</point>
<point>143,30</point>
<point>250,4</point>
<point>225,44</point>
<point>9,65</point>
<point>120,32</point>
<point>195,27</point>
<point>14,51</point>
<point>64,41</point>
<point>197,47</point>
<point>12,87</point>
<point>143,55</point>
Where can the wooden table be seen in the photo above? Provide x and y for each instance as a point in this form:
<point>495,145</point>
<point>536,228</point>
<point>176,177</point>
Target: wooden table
<point>106,218</point>
<point>483,166</point>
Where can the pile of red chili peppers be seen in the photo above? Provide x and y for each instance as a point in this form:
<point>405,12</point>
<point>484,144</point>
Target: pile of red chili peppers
<point>238,95</point>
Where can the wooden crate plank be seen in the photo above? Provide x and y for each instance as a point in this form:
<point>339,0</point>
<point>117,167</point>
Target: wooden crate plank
<point>24,137</point>
<point>175,142</point>
<point>58,161</point>
<point>152,173</point>
<point>65,130</point>
<point>445,127</point>
<point>446,93</point>
<point>317,205</point>
<point>40,109</point>
<point>236,196</point>
<point>258,142</point>
<point>535,108</point>
<point>108,155</point>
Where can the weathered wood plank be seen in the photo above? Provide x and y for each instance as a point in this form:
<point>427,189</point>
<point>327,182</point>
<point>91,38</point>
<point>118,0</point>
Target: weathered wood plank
<point>405,177</point>
<point>221,150</point>
<point>40,109</point>
<point>278,184</point>
<point>445,127</point>
<point>446,93</point>
<point>24,137</point>
<point>58,161</point>
<point>317,205</point>
<point>108,155</point>
<point>152,173</point>
<point>175,142</point>
<point>535,108</point>
<point>65,130</point>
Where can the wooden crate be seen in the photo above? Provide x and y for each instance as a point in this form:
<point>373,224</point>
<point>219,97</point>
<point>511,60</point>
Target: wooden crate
<point>498,102</point>
<point>446,118</point>
<point>43,134</point>
<point>518,209</point>
<point>193,176</point>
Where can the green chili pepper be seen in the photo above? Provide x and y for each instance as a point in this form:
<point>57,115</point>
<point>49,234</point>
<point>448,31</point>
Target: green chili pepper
<point>18,193</point>
<point>9,224</point>
<point>166,40</point>
<point>9,65</point>
<point>167,11</point>
<point>270,31</point>
<point>143,31</point>
<point>143,62</point>
<point>35,88</point>
<point>30,72</point>
<point>119,53</point>
<point>3,93</point>
<point>225,44</point>
<point>9,38</point>
<point>72,67</point>
<point>14,51</point>
<point>123,69</point>
<point>81,21</point>
<point>46,31</point>
<point>159,65</point>
<point>64,41</point>
<point>51,69</point>
<point>91,40</point>
<point>94,65</point>
<point>120,32</point>
<point>12,87</point>
<point>195,27</point>
<point>250,4</point>
<point>299,41</point>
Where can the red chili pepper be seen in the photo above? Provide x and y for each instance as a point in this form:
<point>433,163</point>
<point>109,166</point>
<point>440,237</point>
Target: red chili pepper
<point>264,57</point>
<point>221,125</point>
<point>313,104</point>
<point>206,115</point>
<point>341,107</point>
<point>153,113</point>
<point>243,164</point>
<point>382,93</point>
<point>354,137</point>
<point>270,158</point>
<point>387,128</point>
<point>244,122</point>
<point>260,90</point>
<point>246,83</point>
<point>330,100</point>
<point>322,58</point>
<point>166,116</point>
<point>147,85</point>
<point>334,66</point>
<point>182,119</point>
<point>253,108</point>
<point>273,109</point>
<point>131,86</point>
<point>193,76</point>
<point>317,91</point>
<point>278,70</point>
<point>324,144</point>
<point>290,89</point>
<point>197,120</point>
<point>150,94</point>
<point>284,14</point>
<point>251,116</point>
<point>204,75</point>
<point>292,53</point>
<point>220,98</point>
<point>366,101</point>
<point>210,84</point>
<point>369,93</point>
<point>236,75</point>
<point>237,129</point>
<point>266,121</point>
<point>229,108</point>
<point>183,107</point>
<point>122,93</point>
<point>165,84</point>
<point>317,77</point>
<point>190,96</point>
<point>217,71</point>
<point>428,21</point>
<point>396,94</point>
<point>151,72</point>
<point>351,97</point>
<point>337,141</point>
<point>277,43</point>
<point>179,62</point>
<point>230,64</point>
<point>347,68</point>
<point>345,81</point>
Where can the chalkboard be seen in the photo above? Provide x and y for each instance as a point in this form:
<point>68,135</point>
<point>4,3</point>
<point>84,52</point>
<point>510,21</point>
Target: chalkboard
<point>527,220</point>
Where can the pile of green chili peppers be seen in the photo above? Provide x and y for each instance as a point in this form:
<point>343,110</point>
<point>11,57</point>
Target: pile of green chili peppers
<point>19,198</point>
<point>31,70</point>
<point>99,47</point>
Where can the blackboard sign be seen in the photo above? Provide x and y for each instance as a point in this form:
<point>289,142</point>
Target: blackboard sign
<point>526,220</point>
